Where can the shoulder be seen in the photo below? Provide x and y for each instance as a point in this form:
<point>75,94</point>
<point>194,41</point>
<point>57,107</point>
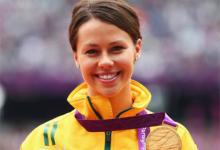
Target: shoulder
<point>186,138</point>
<point>43,134</point>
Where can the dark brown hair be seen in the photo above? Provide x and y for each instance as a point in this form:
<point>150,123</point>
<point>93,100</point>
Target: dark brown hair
<point>116,12</point>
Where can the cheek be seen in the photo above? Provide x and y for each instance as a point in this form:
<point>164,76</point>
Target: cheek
<point>86,67</point>
<point>126,64</point>
<point>126,60</point>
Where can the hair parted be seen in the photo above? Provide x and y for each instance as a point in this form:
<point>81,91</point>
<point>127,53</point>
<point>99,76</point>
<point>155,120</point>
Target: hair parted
<point>116,12</point>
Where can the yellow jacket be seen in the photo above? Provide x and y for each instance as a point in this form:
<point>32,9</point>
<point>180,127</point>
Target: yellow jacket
<point>65,132</point>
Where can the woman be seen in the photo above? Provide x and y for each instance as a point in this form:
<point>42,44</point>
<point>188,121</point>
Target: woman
<point>109,106</point>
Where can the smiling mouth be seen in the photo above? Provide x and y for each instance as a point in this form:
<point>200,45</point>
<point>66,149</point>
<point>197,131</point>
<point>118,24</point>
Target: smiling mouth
<point>108,76</point>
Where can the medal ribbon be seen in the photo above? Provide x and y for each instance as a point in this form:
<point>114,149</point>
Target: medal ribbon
<point>141,122</point>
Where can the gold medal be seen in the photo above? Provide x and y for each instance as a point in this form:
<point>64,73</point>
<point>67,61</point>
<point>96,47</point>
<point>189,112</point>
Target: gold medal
<point>163,138</point>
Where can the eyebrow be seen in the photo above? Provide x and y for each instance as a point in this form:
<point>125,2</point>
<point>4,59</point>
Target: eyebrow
<point>112,43</point>
<point>116,42</point>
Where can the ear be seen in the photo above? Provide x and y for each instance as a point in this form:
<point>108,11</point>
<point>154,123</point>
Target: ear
<point>75,58</point>
<point>138,47</point>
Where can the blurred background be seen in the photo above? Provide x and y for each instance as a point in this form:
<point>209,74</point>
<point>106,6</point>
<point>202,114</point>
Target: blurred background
<point>180,64</point>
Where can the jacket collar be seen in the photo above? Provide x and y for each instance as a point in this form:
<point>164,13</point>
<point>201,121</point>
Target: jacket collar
<point>88,107</point>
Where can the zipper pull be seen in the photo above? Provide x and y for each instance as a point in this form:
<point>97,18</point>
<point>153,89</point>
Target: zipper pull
<point>108,135</point>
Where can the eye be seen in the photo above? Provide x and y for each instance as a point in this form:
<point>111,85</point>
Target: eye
<point>117,49</point>
<point>91,52</point>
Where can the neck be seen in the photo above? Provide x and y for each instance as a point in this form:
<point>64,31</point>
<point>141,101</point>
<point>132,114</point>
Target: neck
<point>121,101</point>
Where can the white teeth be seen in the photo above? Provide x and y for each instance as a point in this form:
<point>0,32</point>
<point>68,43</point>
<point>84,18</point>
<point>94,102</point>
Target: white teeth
<point>107,76</point>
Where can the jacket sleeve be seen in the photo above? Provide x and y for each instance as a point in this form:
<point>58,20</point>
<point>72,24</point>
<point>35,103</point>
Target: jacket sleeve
<point>186,138</point>
<point>34,140</point>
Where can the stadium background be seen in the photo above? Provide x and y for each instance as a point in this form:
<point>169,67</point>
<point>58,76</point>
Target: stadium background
<point>180,64</point>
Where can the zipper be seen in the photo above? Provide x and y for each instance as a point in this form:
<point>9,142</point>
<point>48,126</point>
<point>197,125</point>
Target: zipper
<point>108,135</point>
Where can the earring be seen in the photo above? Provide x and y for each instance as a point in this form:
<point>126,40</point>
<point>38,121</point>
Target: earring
<point>77,66</point>
<point>136,57</point>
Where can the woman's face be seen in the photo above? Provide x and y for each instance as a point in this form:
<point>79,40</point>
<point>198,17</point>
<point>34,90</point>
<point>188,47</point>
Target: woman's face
<point>105,55</point>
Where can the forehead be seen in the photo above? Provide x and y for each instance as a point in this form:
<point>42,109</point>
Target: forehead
<point>96,25</point>
<point>95,30</point>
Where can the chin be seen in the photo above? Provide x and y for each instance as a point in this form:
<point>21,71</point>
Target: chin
<point>109,94</point>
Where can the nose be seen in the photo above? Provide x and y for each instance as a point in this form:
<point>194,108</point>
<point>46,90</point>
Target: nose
<point>105,61</point>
